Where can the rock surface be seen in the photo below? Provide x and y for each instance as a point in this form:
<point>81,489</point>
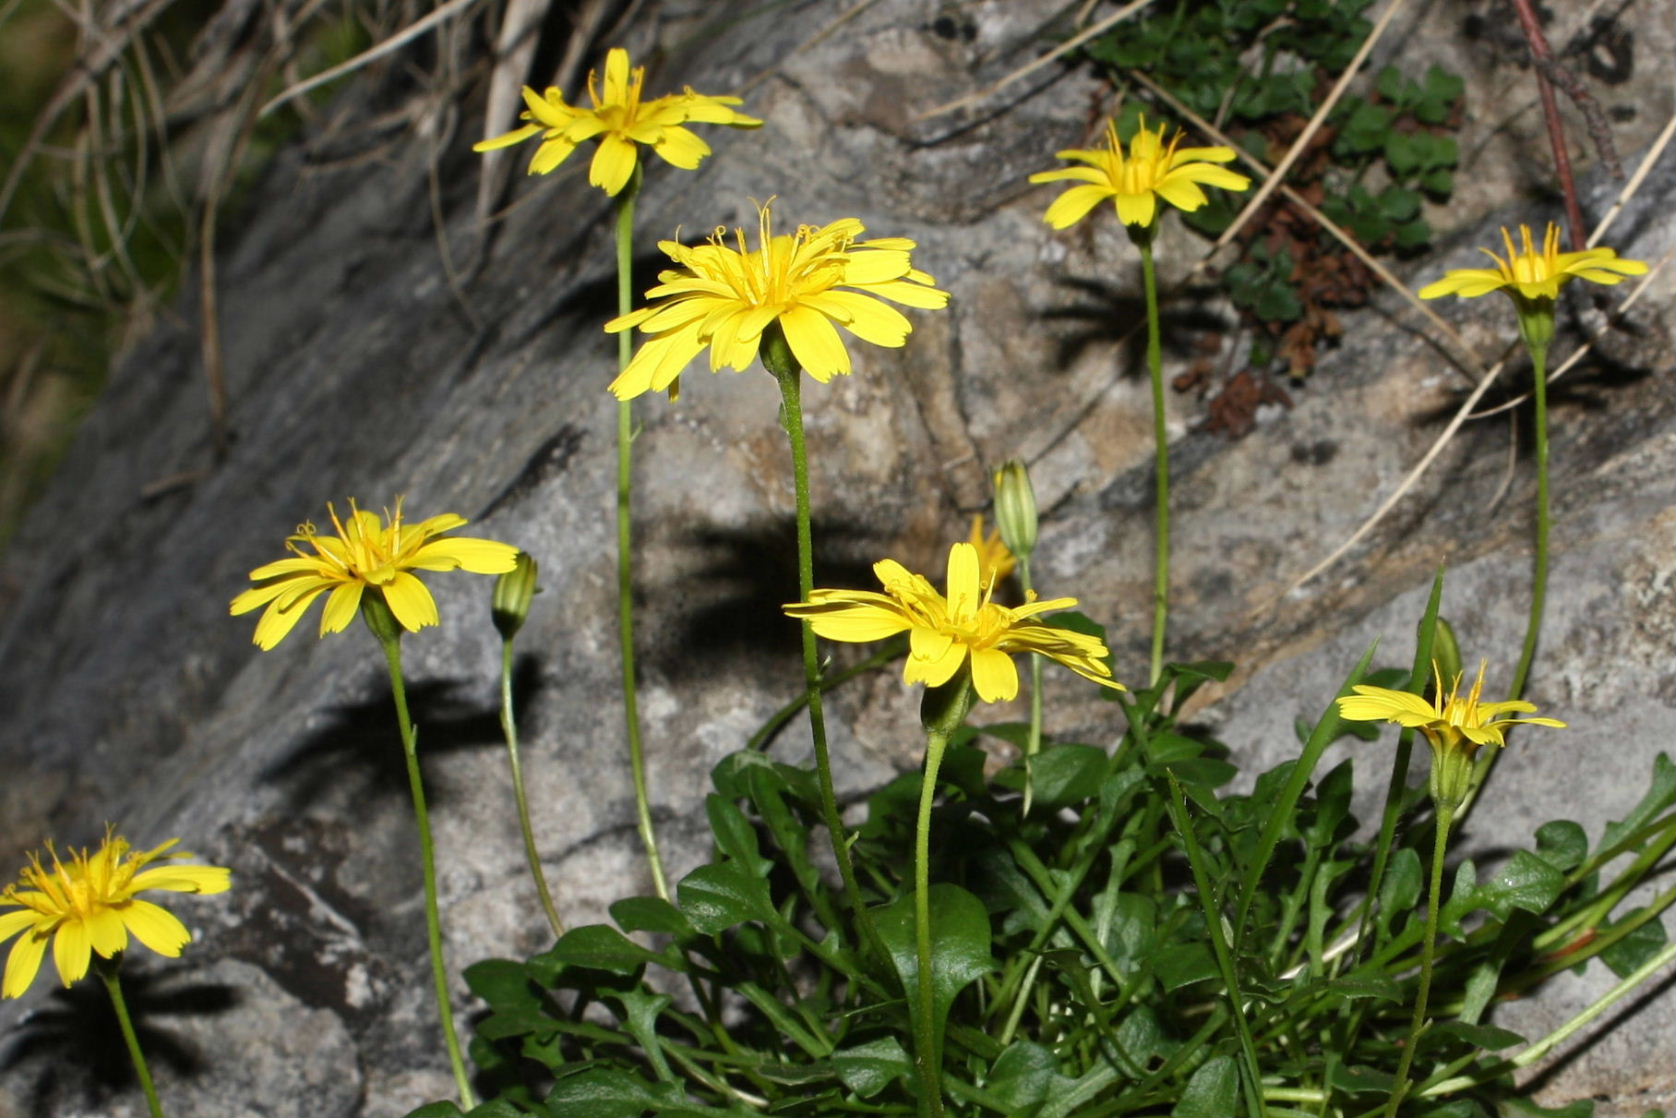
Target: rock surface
<point>354,369</point>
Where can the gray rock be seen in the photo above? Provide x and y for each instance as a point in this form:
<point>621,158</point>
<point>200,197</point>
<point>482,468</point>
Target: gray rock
<point>353,370</point>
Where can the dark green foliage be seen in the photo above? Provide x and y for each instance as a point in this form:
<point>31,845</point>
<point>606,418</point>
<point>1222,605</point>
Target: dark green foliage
<point>1077,966</point>
<point>1259,69</point>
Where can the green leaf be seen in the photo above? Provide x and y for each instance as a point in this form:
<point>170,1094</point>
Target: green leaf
<point>1399,204</point>
<point>1439,182</point>
<point>651,914</point>
<point>1400,892</point>
<point>1633,951</point>
<point>1488,1037</point>
<point>515,1022</point>
<point>494,1108</point>
<point>735,837</point>
<point>1022,1076</point>
<point>1068,774</point>
<point>960,939</point>
<point>607,1092</point>
<point>1358,1080</point>
<point>718,896</point>
<point>1526,882</point>
<point>1562,844</point>
<point>602,947</point>
<point>1214,1089</point>
<point>869,1068</point>
<point>503,983</point>
<point>1390,84</point>
<point>1661,793</point>
<point>447,1108</point>
<point>1182,964</point>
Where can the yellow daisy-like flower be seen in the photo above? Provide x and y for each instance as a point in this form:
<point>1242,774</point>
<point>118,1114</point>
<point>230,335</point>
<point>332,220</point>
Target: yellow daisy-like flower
<point>1151,169</point>
<point>1533,273</point>
<point>944,632</point>
<point>723,298</point>
<point>621,121</point>
<point>995,560</point>
<point>366,554</point>
<point>90,905</point>
<point>1452,723</point>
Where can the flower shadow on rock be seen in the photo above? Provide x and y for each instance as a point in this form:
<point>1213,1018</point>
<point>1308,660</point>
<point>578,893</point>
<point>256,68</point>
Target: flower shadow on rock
<point>356,754</point>
<point>746,573</point>
<point>78,1031</point>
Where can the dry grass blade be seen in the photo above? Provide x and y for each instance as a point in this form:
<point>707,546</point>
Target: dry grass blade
<point>1278,175</point>
<point>514,50</point>
<point>379,50</point>
<point>1466,409</point>
<point>1339,234</point>
<point>1026,70</point>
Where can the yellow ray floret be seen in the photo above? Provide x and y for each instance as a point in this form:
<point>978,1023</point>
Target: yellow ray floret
<point>724,296</point>
<point>945,632</point>
<point>1534,273</point>
<point>1135,180</point>
<point>1452,722</point>
<point>995,560</point>
<point>365,554</point>
<point>89,904</point>
<point>622,122</point>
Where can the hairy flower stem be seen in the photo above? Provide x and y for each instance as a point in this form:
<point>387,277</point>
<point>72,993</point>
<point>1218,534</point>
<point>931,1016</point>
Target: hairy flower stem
<point>1161,457</point>
<point>1539,580</point>
<point>942,710</point>
<point>625,540</point>
<point>509,728</point>
<point>778,360</point>
<point>107,969</point>
<point>925,1021</point>
<point>391,642</point>
<point>1033,743</point>
<point>1434,904</point>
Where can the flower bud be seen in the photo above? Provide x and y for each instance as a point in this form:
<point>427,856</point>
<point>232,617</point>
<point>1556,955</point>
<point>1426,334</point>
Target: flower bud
<point>514,591</point>
<point>1446,651</point>
<point>1015,508</point>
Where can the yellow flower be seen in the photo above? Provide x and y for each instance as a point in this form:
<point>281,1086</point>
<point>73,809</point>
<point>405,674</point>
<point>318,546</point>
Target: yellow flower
<point>995,559</point>
<point>365,554</point>
<point>944,632</point>
<point>90,905</point>
<point>724,298</point>
<point>1452,723</point>
<point>1534,274</point>
<point>1151,170</point>
<point>621,120</point>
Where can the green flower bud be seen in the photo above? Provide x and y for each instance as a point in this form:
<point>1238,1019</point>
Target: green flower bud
<point>375,611</point>
<point>514,591</point>
<point>1015,508</point>
<point>1446,651</point>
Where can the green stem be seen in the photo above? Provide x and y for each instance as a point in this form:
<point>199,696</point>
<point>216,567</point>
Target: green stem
<point>1033,743</point>
<point>892,649</point>
<point>925,1019</point>
<point>1161,455</point>
<point>427,856</point>
<point>509,727</point>
<point>107,970</point>
<point>1428,950</point>
<point>625,540</point>
<point>1539,581</point>
<point>778,360</point>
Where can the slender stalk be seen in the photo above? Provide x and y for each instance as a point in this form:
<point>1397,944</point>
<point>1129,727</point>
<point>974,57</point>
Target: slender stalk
<point>625,541</point>
<point>1033,743</point>
<point>107,969</point>
<point>509,727</point>
<point>1428,950</point>
<point>427,856</point>
<point>1161,459</point>
<point>926,1056</point>
<point>778,360</point>
<point>1539,581</point>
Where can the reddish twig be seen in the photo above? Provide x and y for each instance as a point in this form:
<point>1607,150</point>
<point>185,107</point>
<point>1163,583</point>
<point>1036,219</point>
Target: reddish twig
<point>1544,57</point>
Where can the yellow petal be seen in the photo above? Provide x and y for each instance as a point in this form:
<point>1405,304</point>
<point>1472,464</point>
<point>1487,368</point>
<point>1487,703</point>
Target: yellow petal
<point>105,932</point>
<point>963,591</point>
<point>993,675</point>
<point>681,148</point>
<point>185,879</point>
<point>411,602</point>
<point>281,618</point>
<point>516,136</point>
<point>156,927</point>
<point>1137,209</point>
<point>613,164</point>
<point>934,671</point>
<point>23,964</point>
<point>479,556</point>
<point>12,923</point>
<point>1075,204</point>
<point>70,950</point>
<point>341,608</point>
<point>815,343</point>
<point>551,154</point>
<point>865,317</point>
